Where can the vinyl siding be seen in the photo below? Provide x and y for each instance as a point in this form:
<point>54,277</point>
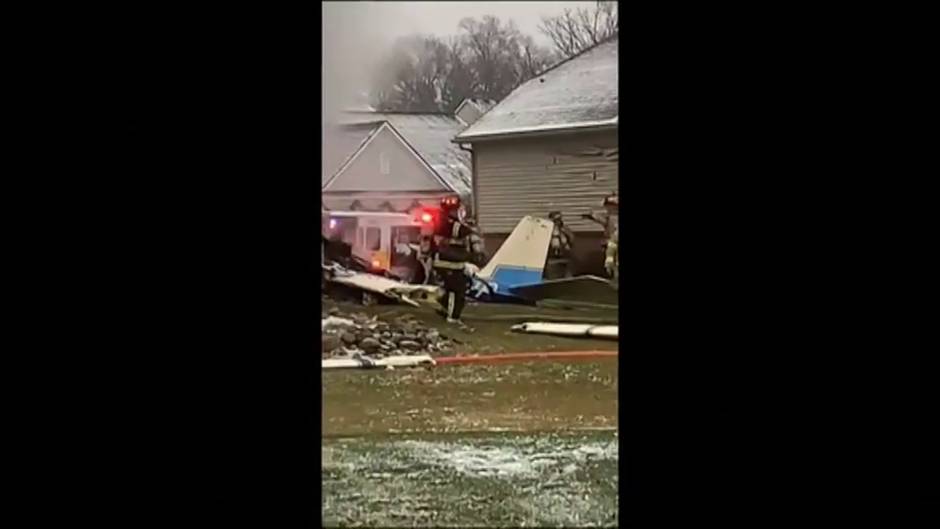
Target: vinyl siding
<point>406,171</point>
<point>571,173</point>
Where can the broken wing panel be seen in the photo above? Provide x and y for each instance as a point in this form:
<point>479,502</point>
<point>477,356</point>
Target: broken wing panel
<point>387,287</point>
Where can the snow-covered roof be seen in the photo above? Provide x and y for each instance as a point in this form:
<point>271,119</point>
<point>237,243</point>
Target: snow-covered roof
<point>340,142</point>
<point>430,135</point>
<point>481,105</point>
<point>580,92</point>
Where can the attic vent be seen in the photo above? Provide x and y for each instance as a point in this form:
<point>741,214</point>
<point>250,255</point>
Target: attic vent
<point>384,165</point>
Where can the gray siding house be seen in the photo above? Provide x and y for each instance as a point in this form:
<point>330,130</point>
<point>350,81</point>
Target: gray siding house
<point>374,161</point>
<point>550,145</point>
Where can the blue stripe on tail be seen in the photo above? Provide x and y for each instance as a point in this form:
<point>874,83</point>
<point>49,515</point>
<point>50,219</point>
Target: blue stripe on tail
<point>507,277</point>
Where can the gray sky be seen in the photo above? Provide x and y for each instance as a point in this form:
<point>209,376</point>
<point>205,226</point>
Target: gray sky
<point>355,33</point>
<point>441,18</point>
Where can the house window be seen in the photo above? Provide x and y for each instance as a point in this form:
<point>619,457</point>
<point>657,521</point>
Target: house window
<point>384,166</point>
<point>373,239</point>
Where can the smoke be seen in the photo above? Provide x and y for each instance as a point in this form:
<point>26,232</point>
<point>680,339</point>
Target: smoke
<point>355,35</point>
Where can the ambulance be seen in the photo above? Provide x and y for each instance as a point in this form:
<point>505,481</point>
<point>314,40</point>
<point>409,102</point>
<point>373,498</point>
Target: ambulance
<point>374,235</point>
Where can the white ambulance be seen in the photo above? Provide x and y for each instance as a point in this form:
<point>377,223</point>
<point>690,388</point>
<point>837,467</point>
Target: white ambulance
<point>373,236</point>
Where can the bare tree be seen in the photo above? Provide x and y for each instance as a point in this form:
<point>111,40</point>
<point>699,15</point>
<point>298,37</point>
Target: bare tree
<point>500,56</point>
<point>460,81</point>
<point>413,75</point>
<point>535,59</point>
<point>573,31</point>
<point>487,59</point>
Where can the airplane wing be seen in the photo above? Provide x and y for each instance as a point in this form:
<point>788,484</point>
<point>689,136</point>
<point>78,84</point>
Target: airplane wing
<point>582,289</point>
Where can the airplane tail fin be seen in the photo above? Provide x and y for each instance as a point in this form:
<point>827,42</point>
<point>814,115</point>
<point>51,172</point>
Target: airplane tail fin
<point>521,258</point>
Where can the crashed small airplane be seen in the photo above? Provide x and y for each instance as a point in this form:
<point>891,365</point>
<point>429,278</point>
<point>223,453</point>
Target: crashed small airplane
<point>514,274</point>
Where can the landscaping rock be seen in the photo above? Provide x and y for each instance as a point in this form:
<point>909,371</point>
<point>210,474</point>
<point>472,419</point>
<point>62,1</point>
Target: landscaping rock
<point>369,344</point>
<point>330,342</point>
<point>356,332</point>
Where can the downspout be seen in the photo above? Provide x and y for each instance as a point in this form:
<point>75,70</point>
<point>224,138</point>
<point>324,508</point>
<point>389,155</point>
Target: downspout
<point>473,180</point>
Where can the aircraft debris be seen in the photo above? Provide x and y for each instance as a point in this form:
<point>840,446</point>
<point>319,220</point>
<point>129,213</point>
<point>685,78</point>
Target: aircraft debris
<point>388,288</point>
<point>364,362</point>
<point>569,329</point>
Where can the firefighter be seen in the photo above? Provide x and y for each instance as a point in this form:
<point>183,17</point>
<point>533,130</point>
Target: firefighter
<point>452,257</point>
<point>562,242</point>
<point>607,220</point>
<point>611,234</point>
<point>612,255</point>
